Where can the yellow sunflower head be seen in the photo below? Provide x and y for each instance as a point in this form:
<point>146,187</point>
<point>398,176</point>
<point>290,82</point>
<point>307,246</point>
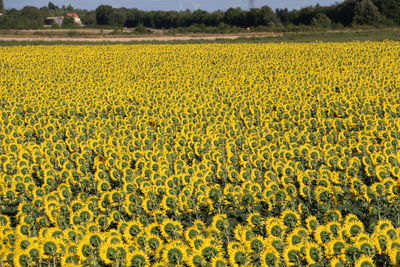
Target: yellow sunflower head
<point>154,243</point>
<point>335,248</point>
<point>209,250</point>
<point>274,228</point>
<point>220,222</point>
<point>171,229</point>
<point>314,253</point>
<point>238,257</point>
<point>394,255</point>
<point>132,230</point>
<point>256,245</point>
<point>270,257</point>
<point>312,223</point>
<point>174,252</point>
<point>137,258</point>
<point>292,255</point>
<point>333,216</point>
<point>365,261</point>
<point>194,259</point>
<point>290,218</point>
<point>322,234</point>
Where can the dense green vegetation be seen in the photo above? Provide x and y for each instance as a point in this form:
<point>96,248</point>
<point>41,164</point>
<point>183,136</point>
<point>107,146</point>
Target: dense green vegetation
<point>344,14</point>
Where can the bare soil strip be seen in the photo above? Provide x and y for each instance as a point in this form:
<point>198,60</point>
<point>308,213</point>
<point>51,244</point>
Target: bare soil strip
<point>107,35</point>
<point>135,38</point>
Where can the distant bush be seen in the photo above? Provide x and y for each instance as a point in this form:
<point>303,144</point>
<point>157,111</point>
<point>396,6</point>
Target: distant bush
<point>142,29</point>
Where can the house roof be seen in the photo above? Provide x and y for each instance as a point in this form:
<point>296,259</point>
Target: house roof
<point>72,15</point>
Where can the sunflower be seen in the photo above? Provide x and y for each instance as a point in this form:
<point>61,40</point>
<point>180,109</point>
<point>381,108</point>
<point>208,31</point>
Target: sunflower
<point>335,248</point>
<point>21,259</point>
<point>84,250</point>
<point>290,219</point>
<point>394,255</point>
<point>270,257</point>
<point>154,243</point>
<point>132,230</point>
<point>50,248</point>
<point>334,227</point>
<point>276,243</point>
<point>333,216</point>
<point>335,262</point>
<point>274,227</point>
<point>174,252</point>
<point>191,233</point>
<point>292,255</point>
<point>322,234</point>
<point>380,242</point>
<point>209,250</point>
<point>220,222</point>
<point>194,259</point>
<point>293,238</point>
<point>366,247</point>
<point>256,245</point>
<point>351,253</point>
<point>137,258</point>
<point>350,218</point>
<point>382,224</point>
<point>314,253</point>
<point>70,260</point>
<point>114,253</point>
<point>238,257</point>
<point>171,229</point>
<point>219,262</point>
<point>152,228</point>
<point>365,261</point>
<point>312,223</point>
<point>240,232</point>
<point>354,228</point>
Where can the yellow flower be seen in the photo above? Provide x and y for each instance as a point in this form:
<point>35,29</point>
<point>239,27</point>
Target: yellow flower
<point>171,229</point>
<point>365,261</point>
<point>238,257</point>
<point>174,252</point>
<point>269,257</point>
<point>292,255</point>
<point>314,253</point>
<point>138,258</point>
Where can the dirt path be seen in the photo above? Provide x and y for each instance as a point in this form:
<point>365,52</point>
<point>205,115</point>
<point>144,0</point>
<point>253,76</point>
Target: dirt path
<point>98,35</point>
<point>136,38</point>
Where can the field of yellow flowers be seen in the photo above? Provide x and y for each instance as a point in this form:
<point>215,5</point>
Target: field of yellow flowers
<point>200,155</point>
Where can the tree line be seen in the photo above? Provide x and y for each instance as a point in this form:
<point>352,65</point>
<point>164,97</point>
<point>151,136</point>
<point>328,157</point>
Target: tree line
<point>346,13</point>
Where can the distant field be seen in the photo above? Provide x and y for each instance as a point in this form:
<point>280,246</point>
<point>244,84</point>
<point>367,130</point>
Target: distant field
<point>107,37</point>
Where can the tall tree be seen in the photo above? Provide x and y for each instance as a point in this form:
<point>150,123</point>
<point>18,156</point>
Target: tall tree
<point>117,18</point>
<point>390,9</point>
<point>366,13</point>
<point>51,6</point>
<point>1,5</point>
<point>103,13</point>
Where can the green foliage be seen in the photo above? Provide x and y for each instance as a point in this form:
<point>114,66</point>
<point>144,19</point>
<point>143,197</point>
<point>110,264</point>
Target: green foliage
<point>346,13</point>
<point>390,9</point>
<point>117,18</point>
<point>142,29</point>
<point>321,20</point>
<point>366,13</point>
<point>68,22</point>
<point>52,6</point>
<point>103,13</point>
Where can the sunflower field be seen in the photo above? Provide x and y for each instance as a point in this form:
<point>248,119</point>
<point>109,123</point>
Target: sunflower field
<point>200,155</point>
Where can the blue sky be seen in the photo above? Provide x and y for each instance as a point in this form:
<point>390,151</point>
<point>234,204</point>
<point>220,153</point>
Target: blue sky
<point>209,5</point>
